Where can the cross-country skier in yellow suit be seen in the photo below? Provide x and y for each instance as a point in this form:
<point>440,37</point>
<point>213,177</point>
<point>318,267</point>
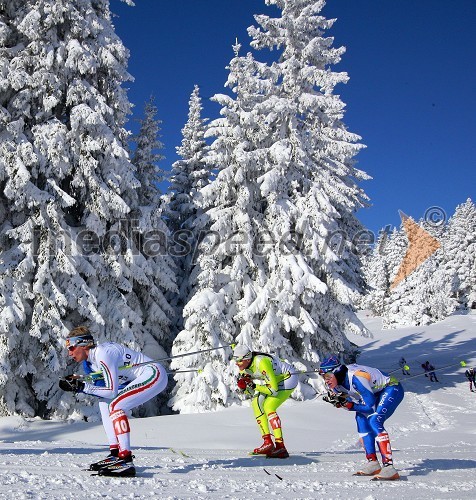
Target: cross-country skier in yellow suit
<point>271,381</point>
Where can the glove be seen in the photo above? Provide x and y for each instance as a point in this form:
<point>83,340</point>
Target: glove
<point>245,382</point>
<point>71,384</point>
<point>338,400</point>
<point>241,383</point>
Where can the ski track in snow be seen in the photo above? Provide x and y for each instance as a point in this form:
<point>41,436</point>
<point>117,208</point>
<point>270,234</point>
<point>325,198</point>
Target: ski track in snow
<point>433,434</point>
<point>38,473</point>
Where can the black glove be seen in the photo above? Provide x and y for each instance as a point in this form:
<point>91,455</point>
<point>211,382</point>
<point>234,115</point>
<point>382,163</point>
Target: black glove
<point>71,384</point>
<point>338,400</point>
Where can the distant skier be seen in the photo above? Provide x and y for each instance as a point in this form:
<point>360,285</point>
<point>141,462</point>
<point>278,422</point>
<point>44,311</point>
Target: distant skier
<point>471,376</point>
<point>140,384</point>
<point>374,396</point>
<point>270,382</point>
<point>403,365</point>
<point>429,371</point>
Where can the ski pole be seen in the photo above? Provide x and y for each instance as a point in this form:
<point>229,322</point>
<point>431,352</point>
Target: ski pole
<point>461,363</point>
<point>196,370</point>
<point>392,371</point>
<point>199,370</point>
<point>389,372</point>
<point>93,377</point>
<point>127,367</point>
<point>304,373</point>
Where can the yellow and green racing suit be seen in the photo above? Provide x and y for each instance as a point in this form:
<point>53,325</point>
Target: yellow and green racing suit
<point>275,382</point>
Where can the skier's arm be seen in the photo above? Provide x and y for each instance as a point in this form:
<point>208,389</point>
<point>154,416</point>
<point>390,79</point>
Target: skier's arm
<point>269,382</point>
<point>110,373</point>
<point>362,386</point>
<point>96,378</point>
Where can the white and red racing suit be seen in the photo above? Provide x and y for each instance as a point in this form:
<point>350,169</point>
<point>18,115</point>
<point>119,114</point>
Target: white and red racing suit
<point>123,389</point>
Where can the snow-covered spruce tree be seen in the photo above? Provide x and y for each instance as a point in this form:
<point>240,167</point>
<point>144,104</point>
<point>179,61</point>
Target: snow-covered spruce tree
<point>146,156</point>
<point>188,176</point>
<point>153,235</point>
<point>278,269</point>
<point>376,275</point>
<point>423,297</point>
<point>393,248</point>
<point>460,255</point>
<point>68,186</point>
<point>155,279</point>
<point>190,173</point>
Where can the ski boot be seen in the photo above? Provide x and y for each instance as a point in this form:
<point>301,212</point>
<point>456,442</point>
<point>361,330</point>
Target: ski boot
<point>279,452</point>
<point>112,458</point>
<point>370,468</point>
<point>388,473</point>
<point>266,447</point>
<point>123,467</point>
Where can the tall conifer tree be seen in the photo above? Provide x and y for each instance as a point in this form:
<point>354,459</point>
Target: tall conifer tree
<point>156,281</point>
<point>189,174</point>
<point>278,269</point>
<point>68,193</point>
<point>146,156</point>
<point>376,274</point>
<point>460,255</point>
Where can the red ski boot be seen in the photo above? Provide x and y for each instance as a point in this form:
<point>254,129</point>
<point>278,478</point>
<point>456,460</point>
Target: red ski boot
<point>279,452</point>
<point>266,447</point>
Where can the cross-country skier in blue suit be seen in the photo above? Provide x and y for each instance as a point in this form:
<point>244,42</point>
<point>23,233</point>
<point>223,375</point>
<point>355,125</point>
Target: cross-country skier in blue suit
<point>374,396</point>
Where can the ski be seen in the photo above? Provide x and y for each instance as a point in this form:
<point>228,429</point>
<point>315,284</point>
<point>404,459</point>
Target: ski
<point>97,473</point>
<point>269,474</point>
<point>103,473</point>
<point>119,477</point>
<point>376,478</point>
<point>180,452</point>
<point>252,454</point>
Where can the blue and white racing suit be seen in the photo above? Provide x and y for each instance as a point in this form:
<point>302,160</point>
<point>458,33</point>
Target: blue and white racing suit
<point>375,396</point>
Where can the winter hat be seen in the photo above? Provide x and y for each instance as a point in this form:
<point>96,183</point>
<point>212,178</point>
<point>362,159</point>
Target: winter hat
<point>329,364</point>
<point>242,352</point>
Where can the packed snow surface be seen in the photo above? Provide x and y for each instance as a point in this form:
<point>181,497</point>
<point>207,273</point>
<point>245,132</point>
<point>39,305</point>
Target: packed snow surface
<point>433,433</point>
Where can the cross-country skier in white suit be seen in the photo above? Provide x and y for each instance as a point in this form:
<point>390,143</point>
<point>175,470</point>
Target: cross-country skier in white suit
<point>119,390</point>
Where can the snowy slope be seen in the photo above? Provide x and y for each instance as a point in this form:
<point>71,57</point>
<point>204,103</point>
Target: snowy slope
<point>433,434</point>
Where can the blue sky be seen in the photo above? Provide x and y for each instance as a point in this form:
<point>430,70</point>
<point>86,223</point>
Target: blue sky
<point>411,94</point>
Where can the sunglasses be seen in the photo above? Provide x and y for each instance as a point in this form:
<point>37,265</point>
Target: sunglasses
<point>83,340</point>
<point>240,359</point>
